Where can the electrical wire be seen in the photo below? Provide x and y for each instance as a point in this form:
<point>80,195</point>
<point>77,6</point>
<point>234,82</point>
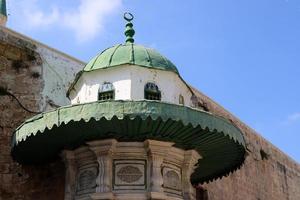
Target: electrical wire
<point>4,92</point>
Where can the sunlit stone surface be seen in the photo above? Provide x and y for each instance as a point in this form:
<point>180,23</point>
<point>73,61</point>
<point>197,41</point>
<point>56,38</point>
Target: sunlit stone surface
<point>107,169</point>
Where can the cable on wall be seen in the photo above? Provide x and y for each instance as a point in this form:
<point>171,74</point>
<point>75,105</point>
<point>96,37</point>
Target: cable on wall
<point>5,92</point>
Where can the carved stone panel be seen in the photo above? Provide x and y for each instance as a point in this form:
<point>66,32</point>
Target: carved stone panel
<point>86,181</point>
<point>172,180</point>
<point>129,174</point>
<point>107,169</point>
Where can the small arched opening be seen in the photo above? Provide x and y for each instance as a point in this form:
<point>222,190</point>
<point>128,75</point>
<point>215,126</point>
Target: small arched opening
<point>106,91</point>
<point>152,92</point>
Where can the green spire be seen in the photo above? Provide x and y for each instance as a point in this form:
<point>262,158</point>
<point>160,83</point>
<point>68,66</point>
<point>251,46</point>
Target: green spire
<point>129,31</point>
<point>3,7</point>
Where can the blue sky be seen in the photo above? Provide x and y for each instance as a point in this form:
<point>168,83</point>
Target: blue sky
<point>243,54</point>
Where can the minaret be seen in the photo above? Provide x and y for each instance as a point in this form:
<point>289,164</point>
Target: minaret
<point>3,14</point>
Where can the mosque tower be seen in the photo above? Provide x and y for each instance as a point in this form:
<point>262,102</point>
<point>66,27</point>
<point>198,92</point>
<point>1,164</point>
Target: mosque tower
<point>133,131</point>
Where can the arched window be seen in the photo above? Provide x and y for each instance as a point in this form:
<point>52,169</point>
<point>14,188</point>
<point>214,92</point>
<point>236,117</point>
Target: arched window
<point>106,91</point>
<point>152,92</point>
<point>181,99</point>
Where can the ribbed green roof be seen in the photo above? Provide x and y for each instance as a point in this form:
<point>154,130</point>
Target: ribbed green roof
<point>3,7</point>
<point>130,54</point>
<point>220,143</point>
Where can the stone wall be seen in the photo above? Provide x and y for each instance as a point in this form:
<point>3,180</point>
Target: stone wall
<point>24,75</point>
<point>268,174</point>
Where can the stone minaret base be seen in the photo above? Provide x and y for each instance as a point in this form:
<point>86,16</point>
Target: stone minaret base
<point>107,169</point>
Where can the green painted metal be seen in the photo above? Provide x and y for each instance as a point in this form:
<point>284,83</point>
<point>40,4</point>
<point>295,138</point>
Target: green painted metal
<point>219,142</point>
<point>133,54</point>
<point>129,31</point>
<point>3,8</point>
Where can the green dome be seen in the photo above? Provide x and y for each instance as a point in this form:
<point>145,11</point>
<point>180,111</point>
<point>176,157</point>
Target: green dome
<point>130,54</point>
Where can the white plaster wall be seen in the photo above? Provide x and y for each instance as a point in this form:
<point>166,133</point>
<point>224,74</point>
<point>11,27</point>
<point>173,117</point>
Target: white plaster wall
<point>169,83</point>
<point>58,71</point>
<point>129,82</point>
<point>90,82</point>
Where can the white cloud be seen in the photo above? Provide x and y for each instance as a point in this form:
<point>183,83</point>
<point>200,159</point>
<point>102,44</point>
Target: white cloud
<point>28,14</point>
<point>294,117</point>
<point>85,21</point>
<point>39,18</point>
<point>88,19</point>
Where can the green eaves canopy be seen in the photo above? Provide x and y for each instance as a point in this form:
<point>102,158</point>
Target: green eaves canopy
<point>221,144</point>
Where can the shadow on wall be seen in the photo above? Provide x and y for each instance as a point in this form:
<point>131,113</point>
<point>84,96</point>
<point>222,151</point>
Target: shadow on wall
<point>201,193</point>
